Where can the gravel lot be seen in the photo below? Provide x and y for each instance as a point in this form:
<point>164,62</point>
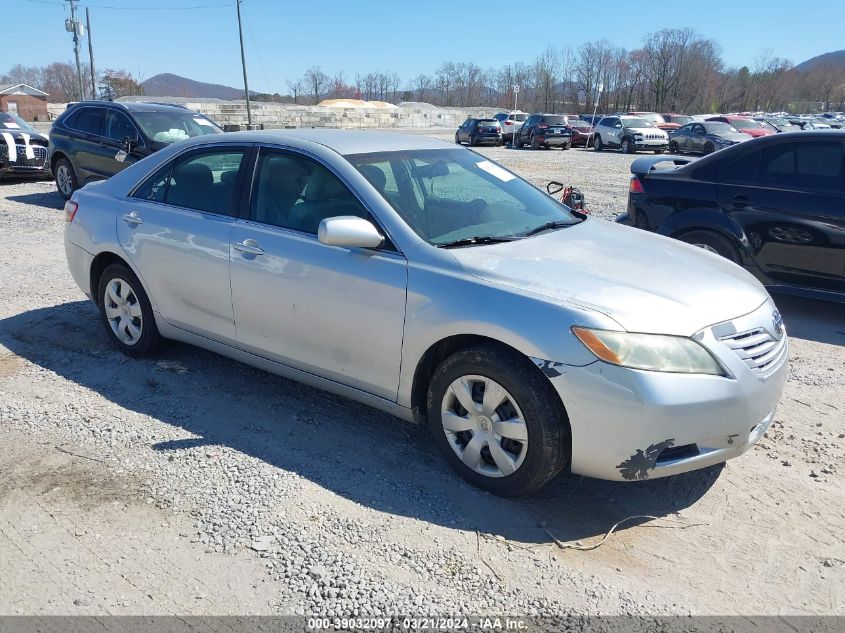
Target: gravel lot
<point>192,484</point>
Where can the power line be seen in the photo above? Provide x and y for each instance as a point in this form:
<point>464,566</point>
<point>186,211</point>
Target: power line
<point>144,8</point>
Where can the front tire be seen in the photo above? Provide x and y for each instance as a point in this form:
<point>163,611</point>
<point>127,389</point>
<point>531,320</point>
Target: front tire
<point>126,312</point>
<point>628,147</point>
<point>597,144</point>
<point>673,148</point>
<point>65,176</point>
<point>497,420</point>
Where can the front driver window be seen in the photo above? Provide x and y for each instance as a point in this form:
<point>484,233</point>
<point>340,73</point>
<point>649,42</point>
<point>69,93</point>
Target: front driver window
<point>294,192</point>
<point>118,127</point>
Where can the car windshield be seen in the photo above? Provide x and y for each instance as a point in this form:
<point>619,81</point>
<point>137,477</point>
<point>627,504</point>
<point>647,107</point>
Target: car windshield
<point>745,124</point>
<point>492,122</point>
<point>636,123</point>
<point>681,120</point>
<point>446,195</point>
<point>519,117</point>
<point>169,127</point>
<point>10,121</point>
<point>717,127</point>
<point>652,116</point>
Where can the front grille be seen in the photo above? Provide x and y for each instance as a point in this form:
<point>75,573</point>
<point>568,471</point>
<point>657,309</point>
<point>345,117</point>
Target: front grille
<point>651,137</point>
<point>758,349</point>
<point>23,161</point>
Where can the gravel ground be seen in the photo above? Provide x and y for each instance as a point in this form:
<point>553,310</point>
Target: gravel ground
<point>194,484</point>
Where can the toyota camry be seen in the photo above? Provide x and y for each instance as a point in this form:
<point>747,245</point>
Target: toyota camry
<point>430,282</point>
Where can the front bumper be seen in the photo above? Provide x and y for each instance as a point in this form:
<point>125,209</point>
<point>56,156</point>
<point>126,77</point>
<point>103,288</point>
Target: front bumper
<point>651,145</point>
<point>630,424</point>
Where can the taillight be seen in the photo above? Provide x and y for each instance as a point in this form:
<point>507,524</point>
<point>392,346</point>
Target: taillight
<point>542,126</point>
<point>636,186</point>
<point>71,207</point>
<point>508,122</point>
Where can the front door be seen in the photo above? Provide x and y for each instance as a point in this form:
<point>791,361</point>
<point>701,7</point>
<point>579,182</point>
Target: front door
<point>335,312</point>
<point>789,198</point>
<point>176,229</point>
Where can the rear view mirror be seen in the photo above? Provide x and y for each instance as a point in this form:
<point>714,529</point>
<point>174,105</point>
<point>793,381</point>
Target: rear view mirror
<point>431,171</point>
<point>349,231</point>
<point>554,187</point>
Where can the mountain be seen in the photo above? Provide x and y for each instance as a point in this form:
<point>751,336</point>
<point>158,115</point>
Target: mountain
<point>834,58</point>
<point>170,85</point>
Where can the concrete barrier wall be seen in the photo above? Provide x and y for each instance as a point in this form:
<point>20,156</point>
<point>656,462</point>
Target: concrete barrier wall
<point>283,115</point>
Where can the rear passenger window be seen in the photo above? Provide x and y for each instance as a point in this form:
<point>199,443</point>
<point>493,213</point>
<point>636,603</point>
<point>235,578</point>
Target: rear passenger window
<point>203,182</point>
<point>206,182</point>
<point>809,165</point>
<point>89,120</point>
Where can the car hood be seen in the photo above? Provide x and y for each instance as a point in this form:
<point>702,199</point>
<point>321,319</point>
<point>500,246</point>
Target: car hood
<point>736,137</point>
<point>645,282</point>
<point>757,132</point>
<point>18,135</point>
<point>646,130</point>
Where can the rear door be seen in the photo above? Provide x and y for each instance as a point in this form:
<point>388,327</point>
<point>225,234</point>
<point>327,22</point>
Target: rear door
<point>86,126</point>
<point>176,227</point>
<point>789,198</point>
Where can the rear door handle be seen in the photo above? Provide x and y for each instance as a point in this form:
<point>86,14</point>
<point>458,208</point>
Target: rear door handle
<point>248,246</point>
<point>740,201</point>
<point>132,218</point>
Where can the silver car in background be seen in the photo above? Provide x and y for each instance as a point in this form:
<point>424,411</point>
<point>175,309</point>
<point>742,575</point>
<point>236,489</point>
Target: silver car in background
<point>429,282</point>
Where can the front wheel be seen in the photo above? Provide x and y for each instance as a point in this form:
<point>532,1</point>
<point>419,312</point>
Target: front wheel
<point>597,144</point>
<point>497,421</point>
<point>457,140</point>
<point>126,312</point>
<point>709,148</point>
<point>628,147</point>
<point>673,147</point>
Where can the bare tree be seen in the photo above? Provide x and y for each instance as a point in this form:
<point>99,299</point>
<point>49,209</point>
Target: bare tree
<point>316,80</point>
<point>295,86</point>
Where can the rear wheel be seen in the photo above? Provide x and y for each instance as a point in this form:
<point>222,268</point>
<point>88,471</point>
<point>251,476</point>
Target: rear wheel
<point>65,176</point>
<point>472,141</point>
<point>126,312</point>
<point>497,420</point>
<point>534,143</point>
<point>712,242</point>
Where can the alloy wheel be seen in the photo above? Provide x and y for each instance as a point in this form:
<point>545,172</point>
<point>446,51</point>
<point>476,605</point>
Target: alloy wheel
<point>123,312</point>
<point>64,181</point>
<point>484,426</point>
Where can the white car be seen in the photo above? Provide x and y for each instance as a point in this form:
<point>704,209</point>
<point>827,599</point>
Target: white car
<point>629,134</point>
<point>511,122</point>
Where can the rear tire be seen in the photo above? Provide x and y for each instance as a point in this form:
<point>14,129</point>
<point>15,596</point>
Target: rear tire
<point>65,177</point>
<point>526,396</point>
<point>712,242</point>
<point>126,312</point>
<point>472,141</point>
<point>534,143</point>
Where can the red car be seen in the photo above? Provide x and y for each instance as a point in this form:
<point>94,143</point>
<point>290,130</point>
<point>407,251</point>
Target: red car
<point>582,132</point>
<point>745,125</point>
<point>657,120</point>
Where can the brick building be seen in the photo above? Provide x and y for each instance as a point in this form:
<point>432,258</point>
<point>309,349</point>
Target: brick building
<point>27,102</point>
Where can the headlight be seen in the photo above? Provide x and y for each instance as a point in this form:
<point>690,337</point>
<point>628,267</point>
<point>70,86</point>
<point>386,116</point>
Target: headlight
<point>654,352</point>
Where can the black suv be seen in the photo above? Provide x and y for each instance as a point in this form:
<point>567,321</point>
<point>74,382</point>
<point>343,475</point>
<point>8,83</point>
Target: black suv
<point>93,140</point>
<point>477,131</point>
<point>774,204</point>
<point>544,130</point>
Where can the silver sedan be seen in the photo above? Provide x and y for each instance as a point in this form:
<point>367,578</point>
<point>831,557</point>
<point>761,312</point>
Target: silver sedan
<point>429,282</point>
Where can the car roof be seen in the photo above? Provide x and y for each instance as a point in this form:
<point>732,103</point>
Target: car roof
<point>136,106</point>
<point>341,141</point>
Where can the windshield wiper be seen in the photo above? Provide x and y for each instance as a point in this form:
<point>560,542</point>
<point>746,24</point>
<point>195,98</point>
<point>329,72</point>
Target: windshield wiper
<point>480,239</point>
<point>555,224</point>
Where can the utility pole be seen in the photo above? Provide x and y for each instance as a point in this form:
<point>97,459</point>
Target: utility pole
<point>91,55</point>
<point>75,26</point>
<point>243,63</point>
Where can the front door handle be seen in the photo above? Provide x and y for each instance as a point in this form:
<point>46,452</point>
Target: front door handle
<point>250,247</point>
<point>132,218</point>
<point>740,201</point>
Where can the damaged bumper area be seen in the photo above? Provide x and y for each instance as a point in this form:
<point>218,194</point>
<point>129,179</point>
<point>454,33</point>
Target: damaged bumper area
<point>630,425</point>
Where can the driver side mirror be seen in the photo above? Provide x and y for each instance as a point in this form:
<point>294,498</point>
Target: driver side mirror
<point>130,144</point>
<point>349,231</point>
<point>554,187</point>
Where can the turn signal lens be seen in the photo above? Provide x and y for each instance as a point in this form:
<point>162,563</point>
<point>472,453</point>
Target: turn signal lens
<point>652,352</point>
<point>71,207</point>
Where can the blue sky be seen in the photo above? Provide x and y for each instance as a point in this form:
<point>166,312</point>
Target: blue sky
<point>285,37</point>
